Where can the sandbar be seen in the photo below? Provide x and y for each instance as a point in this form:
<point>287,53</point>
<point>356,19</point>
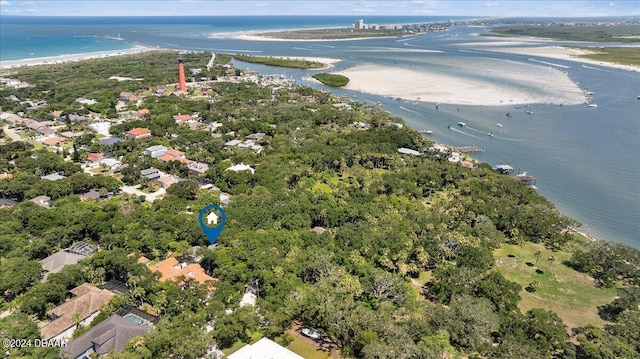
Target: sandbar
<point>255,36</point>
<point>518,46</point>
<point>538,85</point>
<point>72,57</point>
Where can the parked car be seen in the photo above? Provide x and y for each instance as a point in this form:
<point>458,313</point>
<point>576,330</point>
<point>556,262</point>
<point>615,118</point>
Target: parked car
<point>311,333</point>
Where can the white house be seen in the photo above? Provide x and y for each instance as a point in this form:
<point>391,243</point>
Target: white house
<point>241,167</point>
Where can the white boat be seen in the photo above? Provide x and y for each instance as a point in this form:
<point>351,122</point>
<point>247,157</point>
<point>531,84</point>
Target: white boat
<point>490,134</point>
<point>530,112</point>
<point>499,124</point>
<point>462,124</point>
<point>592,105</point>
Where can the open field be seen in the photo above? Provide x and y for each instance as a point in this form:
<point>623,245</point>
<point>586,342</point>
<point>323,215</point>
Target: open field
<point>570,294</point>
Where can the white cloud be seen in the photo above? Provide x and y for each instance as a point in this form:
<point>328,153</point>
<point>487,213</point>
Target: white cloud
<point>4,3</point>
<point>491,4</point>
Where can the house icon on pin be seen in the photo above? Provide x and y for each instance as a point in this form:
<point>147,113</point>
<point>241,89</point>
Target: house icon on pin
<point>212,218</point>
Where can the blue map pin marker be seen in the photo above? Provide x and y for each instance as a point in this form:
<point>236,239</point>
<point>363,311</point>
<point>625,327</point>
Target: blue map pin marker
<point>212,225</point>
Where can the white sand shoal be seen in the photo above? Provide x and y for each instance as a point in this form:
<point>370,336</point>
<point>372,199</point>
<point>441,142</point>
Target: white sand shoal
<point>542,84</point>
<point>559,52</point>
<point>255,36</point>
<point>514,45</point>
<point>71,58</point>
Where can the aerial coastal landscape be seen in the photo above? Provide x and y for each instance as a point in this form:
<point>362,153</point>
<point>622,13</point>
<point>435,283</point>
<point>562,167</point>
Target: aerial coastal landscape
<point>320,179</point>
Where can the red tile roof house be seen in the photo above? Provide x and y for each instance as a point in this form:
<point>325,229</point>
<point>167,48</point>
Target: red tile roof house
<point>53,141</point>
<point>95,157</point>
<point>171,270</point>
<point>81,309</point>
<point>138,133</point>
<point>180,119</point>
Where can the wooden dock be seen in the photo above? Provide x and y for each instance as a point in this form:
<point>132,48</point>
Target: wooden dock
<point>467,149</point>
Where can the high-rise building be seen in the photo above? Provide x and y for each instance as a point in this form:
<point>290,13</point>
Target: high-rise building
<point>359,24</point>
<point>181,81</point>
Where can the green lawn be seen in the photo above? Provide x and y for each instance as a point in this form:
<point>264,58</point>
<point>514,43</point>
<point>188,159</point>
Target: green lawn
<point>570,294</point>
<point>306,350</point>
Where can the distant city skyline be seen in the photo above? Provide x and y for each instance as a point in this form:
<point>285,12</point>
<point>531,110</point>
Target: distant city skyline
<point>360,8</point>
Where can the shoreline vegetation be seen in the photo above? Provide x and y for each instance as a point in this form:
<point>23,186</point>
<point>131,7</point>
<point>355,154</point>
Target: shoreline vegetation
<point>334,226</point>
<point>593,33</point>
<point>617,55</point>
<point>290,62</point>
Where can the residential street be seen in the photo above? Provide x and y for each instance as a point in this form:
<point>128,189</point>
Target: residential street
<point>11,133</point>
<point>150,197</point>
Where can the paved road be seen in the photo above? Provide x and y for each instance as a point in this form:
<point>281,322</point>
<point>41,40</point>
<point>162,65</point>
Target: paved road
<point>11,134</point>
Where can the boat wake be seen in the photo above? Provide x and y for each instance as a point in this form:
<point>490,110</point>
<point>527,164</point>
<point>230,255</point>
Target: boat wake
<point>462,132</point>
<point>550,63</point>
<point>409,110</point>
<point>595,68</point>
<point>493,134</point>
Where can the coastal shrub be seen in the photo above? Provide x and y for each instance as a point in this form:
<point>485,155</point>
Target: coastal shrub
<point>332,79</point>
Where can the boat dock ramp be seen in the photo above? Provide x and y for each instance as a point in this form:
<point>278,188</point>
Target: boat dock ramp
<point>467,149</point>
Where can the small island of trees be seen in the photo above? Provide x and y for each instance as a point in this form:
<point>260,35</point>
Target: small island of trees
<point>281,62</point>
<point>332,79</point>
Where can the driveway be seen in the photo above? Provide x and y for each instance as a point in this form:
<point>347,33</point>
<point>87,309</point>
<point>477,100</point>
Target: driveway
<point>11,134</point>
<point>150,197</point>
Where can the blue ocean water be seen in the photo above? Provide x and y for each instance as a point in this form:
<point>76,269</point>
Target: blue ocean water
<point>585,159</point>
<point>39,36</point>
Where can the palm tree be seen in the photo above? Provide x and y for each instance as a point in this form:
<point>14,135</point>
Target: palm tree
<point>537,254</point>
<point>551,260</point>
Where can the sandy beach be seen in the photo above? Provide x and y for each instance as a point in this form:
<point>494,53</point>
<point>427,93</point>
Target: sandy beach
<point>71,58</point>
<point>546,85</point>
<point>255,36</point>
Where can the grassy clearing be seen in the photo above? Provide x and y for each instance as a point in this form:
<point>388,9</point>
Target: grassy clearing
<point>307,350</point>
<point>418,283</point>
<point>570,294</point>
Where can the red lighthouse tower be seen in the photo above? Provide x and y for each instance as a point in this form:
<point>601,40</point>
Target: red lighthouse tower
<point>181,82</point>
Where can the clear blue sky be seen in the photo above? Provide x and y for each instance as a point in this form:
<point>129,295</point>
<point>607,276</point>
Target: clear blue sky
<point>483,8</point>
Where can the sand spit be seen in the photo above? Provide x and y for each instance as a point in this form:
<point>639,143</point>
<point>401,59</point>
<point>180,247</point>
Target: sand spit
<point>539,85</point>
